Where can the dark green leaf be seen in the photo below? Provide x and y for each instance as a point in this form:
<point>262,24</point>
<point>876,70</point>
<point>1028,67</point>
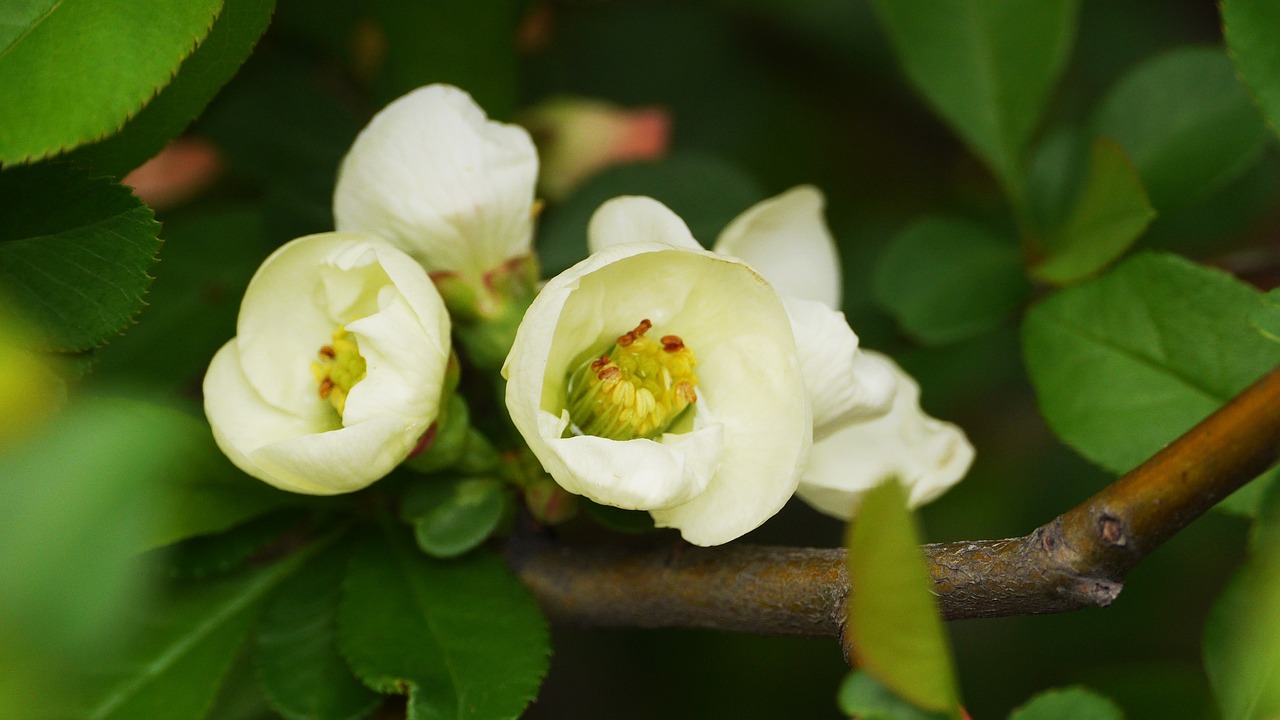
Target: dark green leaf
<point>205,555</point>
<point>451,517</point>
<point>297,656</point>
<point>986,66</point>
<point>1186,122</point>
<point>1267,318</point>
<point>1242,634</point>
<point>1055,177</point>
<point>240,698</point>
<point>462,637</point>
<point>1251,27</point>
<point>202,74</point>
<point>84,68</point>
<point>680,181</point>
<point>945,280</point>
<point>894,628</point>
<point>1110,214</point>
<point>862,697</point>
<point>74,254</point>
<point>617,519</point>
<point>1068,704</point>
<point>1127,362</point>
<point>460,42</point>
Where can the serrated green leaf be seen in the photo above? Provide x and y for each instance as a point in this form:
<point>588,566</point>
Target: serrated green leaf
<point>179,650</point>
<point>1186,122</point>
<point>986,66</point>
<point>1110,215</point>
<point>205,555</point>
<point>74,254</point>
<point>1127,362</point>
<point>1250,28</point>
<point>1068,704</point>
<point>680,181</point>
<point>862,697</point>
<point>1242,634</point>
<point>232,37</point>
<point>945,280</point>
<point>462,637</point>
<point>451,517</point>
<point>86,66</point>
<point>297,655</point>
<point>894,627</point>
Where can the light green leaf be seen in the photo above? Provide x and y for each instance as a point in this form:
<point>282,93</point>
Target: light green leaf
<point>1125,363</point>
<point>74,254</point>
<point>894,628</point>
<point>179,650</point>
<point>451,517</point>
<point>945,280</point>
<point>1242,634</point>
<point>1068,704</point>
<point>1187,123</point>
<point>863,698</point>
<point>986,66</point>
<point>86,66</point>
<point>1267,318</point>
<point>17,17</point>
<point>462,637</point>
<point>1251,28</point>
<point>297,655</point>
<point>680,181</point>
<point>232,37</point>
<point>1110,215</point>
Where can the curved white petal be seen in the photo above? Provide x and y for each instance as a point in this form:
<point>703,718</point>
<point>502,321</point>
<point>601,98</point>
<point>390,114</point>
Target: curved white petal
<point>748,375</point>
<point>786,239</point>
<point>432,174</point>
<point>845,385</point>
<point>927,455</point>
<point>633,218</point>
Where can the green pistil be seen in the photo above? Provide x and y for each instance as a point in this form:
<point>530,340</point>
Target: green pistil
<point>339,368</point>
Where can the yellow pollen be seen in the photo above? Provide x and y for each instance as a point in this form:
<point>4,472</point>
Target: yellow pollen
<point>338,370</point>
<point>637,389</point>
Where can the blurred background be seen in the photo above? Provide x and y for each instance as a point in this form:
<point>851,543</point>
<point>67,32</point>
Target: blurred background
<point>710,106</point>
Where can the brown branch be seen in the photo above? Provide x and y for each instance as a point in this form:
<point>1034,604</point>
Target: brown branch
<point>1077,560</point>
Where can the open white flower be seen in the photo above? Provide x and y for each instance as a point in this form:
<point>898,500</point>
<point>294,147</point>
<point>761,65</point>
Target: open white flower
<point>655,377</point>
<point>337,367</point>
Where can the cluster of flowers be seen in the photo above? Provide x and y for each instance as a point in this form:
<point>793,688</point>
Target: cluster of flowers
<point>705,387</point>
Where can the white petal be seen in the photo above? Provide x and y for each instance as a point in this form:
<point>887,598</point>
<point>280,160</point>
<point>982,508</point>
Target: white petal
<point>786,239</point>
<point>634,218</point>
<point>432,174</point>
<point>339,461</point>
<point>748,373</point>
<point>844,384</point>
<point>927,455</point>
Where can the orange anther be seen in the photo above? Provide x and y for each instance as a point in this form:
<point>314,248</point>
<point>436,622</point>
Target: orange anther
<point>326,387</point>
<point>672,343</point>
<point>327,352</point>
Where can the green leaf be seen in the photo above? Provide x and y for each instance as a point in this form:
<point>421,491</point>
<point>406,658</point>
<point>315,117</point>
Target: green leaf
<point>1187,123</point>
<point>986,66</point>
<point>206,555</point>
<point>1242,634</point>
<point>894,628</point>
<point>1267,318</point>
<point>1250,27</point>
<point>1127,362</point>
<point>945,280</point>
<point>85,67</point>
<point>1110,215</point>
<point>19,16</point>
<point>1068,704</point>
<point>451,517</point>
<point>297,657</point>
<point>862,697</point>
<point>180,650</point>
<point>462,637</point>
<point>680,181</point>
<point>232,37</point>
<point>460,42</point>
<point>74,254</point>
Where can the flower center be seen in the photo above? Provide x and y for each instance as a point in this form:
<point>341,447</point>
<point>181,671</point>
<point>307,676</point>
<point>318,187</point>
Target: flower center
<point>638,389</point>
<point>339,368</point>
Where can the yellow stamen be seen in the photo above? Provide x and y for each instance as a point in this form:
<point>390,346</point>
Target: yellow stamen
<point>637,389</point>
<point>339,368</point>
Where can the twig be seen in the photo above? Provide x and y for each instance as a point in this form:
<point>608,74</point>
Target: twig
<point>1077,560</point>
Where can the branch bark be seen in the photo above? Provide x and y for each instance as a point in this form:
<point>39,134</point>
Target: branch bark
<point>1077,560</point>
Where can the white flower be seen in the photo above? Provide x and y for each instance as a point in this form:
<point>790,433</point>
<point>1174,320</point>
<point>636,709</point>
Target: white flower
<point>337,367</point>
<point>436,177</point>
<point>710,436</point>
